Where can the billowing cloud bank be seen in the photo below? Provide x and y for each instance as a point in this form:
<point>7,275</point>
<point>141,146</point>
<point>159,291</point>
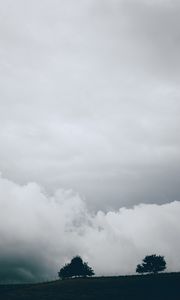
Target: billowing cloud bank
<point>39,233</point>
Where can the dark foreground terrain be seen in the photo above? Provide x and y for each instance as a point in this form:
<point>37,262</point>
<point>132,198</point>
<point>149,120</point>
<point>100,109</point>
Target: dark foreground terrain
<point>162,286</point>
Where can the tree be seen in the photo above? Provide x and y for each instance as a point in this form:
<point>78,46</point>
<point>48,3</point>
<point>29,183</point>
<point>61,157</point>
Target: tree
<point>152,264</point>
<point>76,268</point>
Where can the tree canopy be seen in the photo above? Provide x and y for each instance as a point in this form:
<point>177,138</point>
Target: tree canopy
<point>76,268</point>
<point>152,264</point>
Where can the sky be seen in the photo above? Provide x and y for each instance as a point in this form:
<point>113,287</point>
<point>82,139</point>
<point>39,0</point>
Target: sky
<point>89,139</point>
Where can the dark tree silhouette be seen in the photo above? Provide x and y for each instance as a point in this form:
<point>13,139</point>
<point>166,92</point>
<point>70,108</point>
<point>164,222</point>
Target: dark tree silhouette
<point>76,268</point>
<point>152,264</point>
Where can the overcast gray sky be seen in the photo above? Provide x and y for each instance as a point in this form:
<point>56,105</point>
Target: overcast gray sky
<point>89,100</point>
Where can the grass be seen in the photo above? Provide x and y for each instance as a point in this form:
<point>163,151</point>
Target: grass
<point>162,286</point>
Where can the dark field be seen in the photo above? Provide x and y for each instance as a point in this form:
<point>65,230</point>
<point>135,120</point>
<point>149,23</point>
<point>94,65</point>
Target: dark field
<point>154,287</point>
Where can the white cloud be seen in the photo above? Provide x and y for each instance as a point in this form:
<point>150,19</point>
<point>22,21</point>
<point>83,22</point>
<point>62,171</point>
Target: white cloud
<point>39,233</point>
